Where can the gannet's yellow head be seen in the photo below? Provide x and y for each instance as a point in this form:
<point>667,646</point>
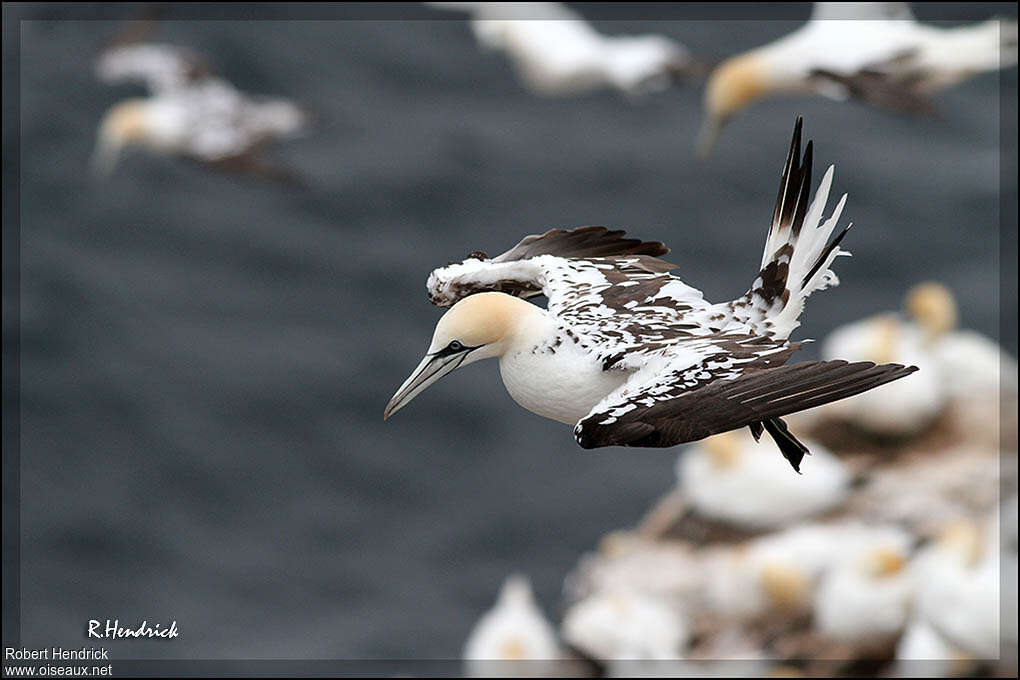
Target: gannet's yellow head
<point>734,85</point>
<point>962,540</point>
<point>478,327</point>
<point>788,588</point>
<point>933,307</point>
<point>884,561</point>
<point>123,125</point>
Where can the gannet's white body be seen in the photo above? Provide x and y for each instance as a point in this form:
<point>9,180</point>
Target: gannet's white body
<point>633,356</point>
<point>557,52</point>
<point>959,587</point>
<point>873,51</point>
<point>189,113</point>
<point>868,596</point>
<point>625,625</point>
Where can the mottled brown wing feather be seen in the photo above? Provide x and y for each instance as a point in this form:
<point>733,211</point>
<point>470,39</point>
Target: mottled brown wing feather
<point>585,243</point>
<point>897,92</point>
<point>726,405</point>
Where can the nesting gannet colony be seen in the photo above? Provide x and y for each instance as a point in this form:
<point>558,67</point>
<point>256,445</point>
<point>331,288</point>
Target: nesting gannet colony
<point>632,356</point>
<point>875,52</point>
<point>556,52</point>
<point>189,113</point>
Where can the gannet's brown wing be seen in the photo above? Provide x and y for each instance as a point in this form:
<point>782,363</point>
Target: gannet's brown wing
<point>550,263</point>
<point>584,243</point>
<point>896,92</point>
<point>661,408</point>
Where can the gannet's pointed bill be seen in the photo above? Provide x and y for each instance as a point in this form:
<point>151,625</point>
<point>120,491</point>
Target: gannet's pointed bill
<point>475,328</point>
<point>707,136</point>
<point>433,367</point>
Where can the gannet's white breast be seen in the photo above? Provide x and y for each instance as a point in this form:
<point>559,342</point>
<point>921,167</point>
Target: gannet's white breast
<point>550,374</point>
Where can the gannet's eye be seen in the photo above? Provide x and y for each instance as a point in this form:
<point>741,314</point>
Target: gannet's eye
<point>455,346</point>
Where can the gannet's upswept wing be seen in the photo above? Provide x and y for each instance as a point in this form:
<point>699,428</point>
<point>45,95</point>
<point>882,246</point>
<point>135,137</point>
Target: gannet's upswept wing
<point>657,408</point>
<point>161,68</point>
<point>519,272</point>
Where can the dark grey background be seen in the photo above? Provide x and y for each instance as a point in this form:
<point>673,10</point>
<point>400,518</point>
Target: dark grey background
<point>205,359</point>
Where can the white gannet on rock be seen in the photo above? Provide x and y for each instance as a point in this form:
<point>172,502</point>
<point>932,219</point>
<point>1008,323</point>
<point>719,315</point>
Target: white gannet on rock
<point>963,369</point>
<point>727,477</point>
<point>900,409</point>
<point>513,630</point>
<point>958,587</point>
<point>625,625</point>
<point>868,596</point>
<point>557,52</point>
<point>189,113</point>
<point>971,366</point>
<point>780,572</point>
<point>870,51</point>
<point>632,356</point>
<point>923,652</point>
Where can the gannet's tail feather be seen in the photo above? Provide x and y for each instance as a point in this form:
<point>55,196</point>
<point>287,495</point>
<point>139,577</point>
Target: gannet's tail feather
<point>798,253</point>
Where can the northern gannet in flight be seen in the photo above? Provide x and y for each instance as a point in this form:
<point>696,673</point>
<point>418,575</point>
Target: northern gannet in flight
<point>190,113</point>
<point>557,52</point>
<point>875,52</point>
<point>630,354</point>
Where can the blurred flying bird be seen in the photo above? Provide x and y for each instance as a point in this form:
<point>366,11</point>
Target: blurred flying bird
<point>557,52</point>
<point>631,354</point>
<point>190,113</point>
<point>871,51</point>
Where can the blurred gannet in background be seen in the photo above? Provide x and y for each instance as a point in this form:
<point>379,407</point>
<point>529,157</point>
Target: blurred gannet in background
<point>625,625</point>
<point>189,113</point>
<point>923,652</point>
<point>871,51</point>
<point>970,364</point>
<point>964,366</point>
<point>557,52</point>
<point>958,587</point>
<point>868,596</point>
<point>728,477</point>
<point>513,630</point>
<point>781,571</point>
<point>630,353</point>
<point>901,409</point>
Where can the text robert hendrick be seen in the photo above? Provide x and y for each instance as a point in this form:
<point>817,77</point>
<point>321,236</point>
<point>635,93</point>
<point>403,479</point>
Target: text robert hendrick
<point>56,654</point>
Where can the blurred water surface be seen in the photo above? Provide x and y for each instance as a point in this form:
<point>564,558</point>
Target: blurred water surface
<point>205,359</point>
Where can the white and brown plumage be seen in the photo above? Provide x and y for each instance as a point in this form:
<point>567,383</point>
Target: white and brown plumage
<point>190,113</point>
<point>630,354</point>
<point>875,52</point>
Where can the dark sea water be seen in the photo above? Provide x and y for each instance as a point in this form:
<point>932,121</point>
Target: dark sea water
<point>205,359</point>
